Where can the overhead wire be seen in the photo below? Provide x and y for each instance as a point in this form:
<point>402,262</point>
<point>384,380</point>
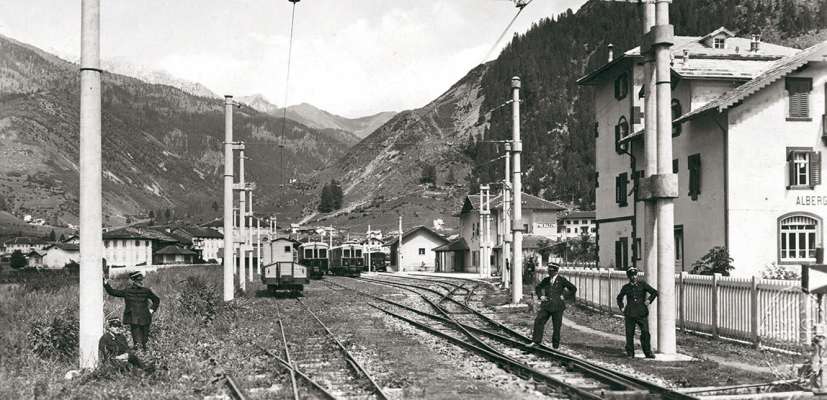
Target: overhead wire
<point>520,9</point>
<point>286,90</point>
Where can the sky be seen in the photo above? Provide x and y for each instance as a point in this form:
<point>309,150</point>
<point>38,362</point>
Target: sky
<point>350,57</point>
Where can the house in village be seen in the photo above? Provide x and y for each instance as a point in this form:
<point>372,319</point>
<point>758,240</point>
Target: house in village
<point>72,239</point>
<point>747,142</point>
<point>204,241</point>
<point>417,249</point>
<point>463,254</point>
<point>24,244</point>
<point>576,224</point>
<point>60,254</point>
<point>133,246</point>
<point>173,254</point>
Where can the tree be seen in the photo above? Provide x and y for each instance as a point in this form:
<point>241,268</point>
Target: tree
<point>215,206</point>
<point>62,238</point>
<point>167,214</point>
<point>151,215</point>
<point>326,200</point>
<point>716,261</point>
<point>18,260</point>
<point>337,194</point>
<point>52,236</point>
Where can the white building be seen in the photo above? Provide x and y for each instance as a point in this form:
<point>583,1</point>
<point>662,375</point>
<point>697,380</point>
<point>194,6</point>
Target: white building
<point>131,246</point>
<point>24,244</point>
<point>747,149</point>
<point>576,224</point>
<point>205,241</point>
<point>418,246</point>
<point>60,254</point>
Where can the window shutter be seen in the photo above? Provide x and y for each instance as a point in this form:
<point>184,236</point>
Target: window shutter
<point>618,254</point>
<point>675,166</point>
<point>597,179</point>
<point>596,130</point>
<point>617,139</point>
<point>637,115</point>
<point>790,173</point>
<point>815,168</point>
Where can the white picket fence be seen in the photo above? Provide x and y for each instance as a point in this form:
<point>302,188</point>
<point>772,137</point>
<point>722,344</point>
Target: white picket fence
<point>763,312</point>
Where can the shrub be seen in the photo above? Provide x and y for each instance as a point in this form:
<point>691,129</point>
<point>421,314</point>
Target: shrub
<point>55,338</point>
<point>18,260</point>
<point>775,271</point>
<point>716,261</point>
<point>72,267</point>
<point>198,298</point>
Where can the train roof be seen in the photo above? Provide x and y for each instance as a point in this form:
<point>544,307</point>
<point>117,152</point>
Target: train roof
<point>314,244</point>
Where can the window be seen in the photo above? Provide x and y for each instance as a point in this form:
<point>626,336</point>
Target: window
<point>106,244</point>
<point>597,179</point>
<point>137,243</point>
<point>308,253</point>
<point>799,98</point>
<point>621,131</point>
<point>694,163</point>
<point>636,250</point>
<point>621,182</point>
<point>568,230</point>
<point>123,243</point>
<point>421,251</point>
<point>622,253</point>
<point>677,111</point>
<point>286,249</point>
<point>637,176</point>
<point>719,43</point>
<point>803,167</point>
<point>675,166</point>
<point>798,237</point>
<point>115,243</point>
<point>346,253</point>
<point>322,253</point>
<point>525,228</point>
<point>621,86</point>
<point>358,253</point>
<point>596,129</point>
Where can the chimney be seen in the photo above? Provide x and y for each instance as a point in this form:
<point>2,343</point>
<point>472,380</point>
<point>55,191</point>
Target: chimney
<point>754,43</point>
<point>611,52</point>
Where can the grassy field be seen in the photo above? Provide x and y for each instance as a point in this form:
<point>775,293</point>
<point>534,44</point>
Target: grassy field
<point>38,342</point>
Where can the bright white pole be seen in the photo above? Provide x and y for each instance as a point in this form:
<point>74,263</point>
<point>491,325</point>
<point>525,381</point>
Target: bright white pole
<point>91,273</point>
<point>242,222</point>
<point>517,212</point>
<point>399,248</point>
<point>229,246</point>
<point>506,217</point>
<point>368,248</point>
<point>250,239</point>
<point>258,248</point>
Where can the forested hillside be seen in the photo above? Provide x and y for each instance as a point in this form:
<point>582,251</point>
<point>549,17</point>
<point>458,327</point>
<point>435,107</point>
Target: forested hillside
<point>557,118</point>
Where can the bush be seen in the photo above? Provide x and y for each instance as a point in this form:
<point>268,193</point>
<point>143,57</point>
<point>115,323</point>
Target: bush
<point>56,338</point>
<point>716,261</point>
<point>72,267</point>
<point>775,271</point>
<point>199,299</point>
<point>18,260</point>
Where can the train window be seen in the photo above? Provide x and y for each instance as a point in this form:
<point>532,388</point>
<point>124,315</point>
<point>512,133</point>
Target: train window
<point>346,253</point>
<point>358,253</point>
<point>322,253</point>
<point>286,249</point>
<point>308,253</point>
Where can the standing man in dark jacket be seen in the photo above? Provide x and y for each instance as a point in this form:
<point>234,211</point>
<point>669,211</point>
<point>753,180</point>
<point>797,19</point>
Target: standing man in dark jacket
<point>552,293</point>
<point>636,311</point>
<point>137,312</point>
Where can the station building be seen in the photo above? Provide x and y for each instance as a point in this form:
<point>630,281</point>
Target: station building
<point>576,224</point>
<point>748,133</point>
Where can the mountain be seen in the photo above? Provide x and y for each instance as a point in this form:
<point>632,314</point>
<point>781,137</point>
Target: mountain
<point>123,67</point>
<point>454,133</point>
<point>162,147</point>
<point>311,116</point>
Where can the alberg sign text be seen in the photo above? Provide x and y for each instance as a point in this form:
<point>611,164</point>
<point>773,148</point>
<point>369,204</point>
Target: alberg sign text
<point>811,200</point>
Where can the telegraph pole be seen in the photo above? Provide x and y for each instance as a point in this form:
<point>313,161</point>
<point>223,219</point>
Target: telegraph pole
<point>249,218</point>
<point>399,248</point>
<point>368,248</point>
<point>258,248</point>
<point>91,272</point>
<point>506,215</point>
<point>229,246</point>
<point>242,220</point>
<point>517,215</point>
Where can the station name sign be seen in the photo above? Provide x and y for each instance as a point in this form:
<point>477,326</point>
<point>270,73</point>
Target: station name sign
<point>811,200</point>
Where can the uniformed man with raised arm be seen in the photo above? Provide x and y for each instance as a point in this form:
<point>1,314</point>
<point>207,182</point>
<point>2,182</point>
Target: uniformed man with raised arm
<point>137,311</point>
<point>552,293</point>
<point>636,310</point>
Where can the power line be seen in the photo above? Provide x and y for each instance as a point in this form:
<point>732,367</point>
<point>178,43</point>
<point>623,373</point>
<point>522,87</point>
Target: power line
<point>521,5</point>
<point>287,86</point>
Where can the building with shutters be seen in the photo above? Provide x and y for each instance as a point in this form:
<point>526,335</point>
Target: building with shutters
<point>748,133</point>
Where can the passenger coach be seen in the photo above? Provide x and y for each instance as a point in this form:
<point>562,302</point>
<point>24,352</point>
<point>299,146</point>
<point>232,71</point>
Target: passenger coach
<point>314,256</point>
<point>347,259</point>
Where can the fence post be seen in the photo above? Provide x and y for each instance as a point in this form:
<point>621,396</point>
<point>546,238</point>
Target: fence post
<point>753,311</point>
<point>682,301</point>
<point>715,305</point>
<point>805,319</point>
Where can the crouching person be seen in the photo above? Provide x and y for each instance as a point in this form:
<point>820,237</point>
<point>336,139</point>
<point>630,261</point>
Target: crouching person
<point>114,349</point>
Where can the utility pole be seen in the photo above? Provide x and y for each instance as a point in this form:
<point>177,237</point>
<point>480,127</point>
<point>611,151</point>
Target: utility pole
<point>483,230</point>
<point>517,214</point>
<point>229,246</point>
<point>399,247</point>
<point>250,238</point>
<point>90,289</point>
<point>258,248</point>
<point>368,248</point>
<point>650,262</point>
<point>506,216</point>
<point>242,220</point>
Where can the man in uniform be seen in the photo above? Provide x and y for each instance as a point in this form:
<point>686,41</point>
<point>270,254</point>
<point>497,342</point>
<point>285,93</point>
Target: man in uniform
<point>137,312</point>
<point>636,311</point>
<point>551,291</point>
<point>115,350</point>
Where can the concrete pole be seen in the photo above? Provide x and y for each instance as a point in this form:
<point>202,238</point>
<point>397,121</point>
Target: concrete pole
<point>250,238</point>
<point>399,248</point>
<point>243,231</point>
<point>481,225</point>
<point>517,214</point>
<point>650,255</point>
<point>368,248</point>
<point>91,272</point>
<point>488,247</point>
<point>229,246</point>
<point>506,223</point>
<point>258,248</point>
<point>665,206</point>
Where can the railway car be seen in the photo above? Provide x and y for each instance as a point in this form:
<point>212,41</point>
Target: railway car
<point>378,261</point>
<point>347,259</point>
<point>315,256</point>
<point>280,269</point>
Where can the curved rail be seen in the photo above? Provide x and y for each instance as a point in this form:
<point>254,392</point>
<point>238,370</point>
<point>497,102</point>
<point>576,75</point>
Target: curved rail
<point>287,355</point>
<point>521,342</point>
<point>377,390</point>
<point>234,389</point>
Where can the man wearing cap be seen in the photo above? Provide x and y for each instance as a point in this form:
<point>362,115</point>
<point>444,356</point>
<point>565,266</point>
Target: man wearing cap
<point>137,312</point>
<point>552,293</point>
<point>635,311</point>
<point>114,349</point>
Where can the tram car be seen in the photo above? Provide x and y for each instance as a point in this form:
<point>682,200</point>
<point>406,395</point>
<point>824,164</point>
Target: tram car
<point>347,259</point>
<point>378,261</point>
<point>314,256</point>
<point>280,267</point>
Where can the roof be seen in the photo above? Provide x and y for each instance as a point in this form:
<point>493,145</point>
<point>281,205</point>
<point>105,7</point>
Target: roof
<point>24,241</point>
<point>137,233</point>
<point>529,201</point>
<point>735,61</point>
<point>579,214</point>
<point>71,237</point>
<point>416,229</point>
<point>202,232</point>
<point>456,245</point>
<point>776,71</point>
<point>175,250</point>
<point>64,246</point>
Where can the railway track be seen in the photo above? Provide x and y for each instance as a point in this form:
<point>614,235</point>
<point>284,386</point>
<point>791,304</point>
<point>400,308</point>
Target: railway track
<point>309,350</point>
<point>464,326</point>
